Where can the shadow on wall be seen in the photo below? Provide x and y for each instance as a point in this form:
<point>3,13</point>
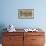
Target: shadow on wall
<point>2,26</point>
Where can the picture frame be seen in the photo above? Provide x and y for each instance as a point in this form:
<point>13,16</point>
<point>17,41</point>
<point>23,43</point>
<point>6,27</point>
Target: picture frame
<point>25,13</point>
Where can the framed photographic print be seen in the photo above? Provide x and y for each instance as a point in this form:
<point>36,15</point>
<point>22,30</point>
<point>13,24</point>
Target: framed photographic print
<point>25,13</point>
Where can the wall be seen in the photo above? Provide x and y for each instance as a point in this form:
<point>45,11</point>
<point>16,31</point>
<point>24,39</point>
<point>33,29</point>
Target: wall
<point>9,13</point>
